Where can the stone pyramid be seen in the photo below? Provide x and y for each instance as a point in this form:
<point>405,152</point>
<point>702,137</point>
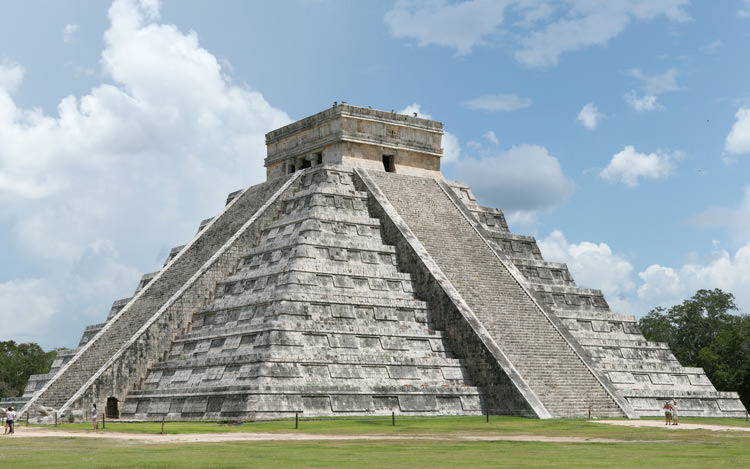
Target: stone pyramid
<point>358,281</point>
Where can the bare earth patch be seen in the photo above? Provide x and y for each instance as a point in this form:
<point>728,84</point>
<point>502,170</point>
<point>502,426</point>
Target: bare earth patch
<point>679,426</point>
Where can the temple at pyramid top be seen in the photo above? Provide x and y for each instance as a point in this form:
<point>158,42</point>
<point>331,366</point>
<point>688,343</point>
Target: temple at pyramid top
<point>357,137</point>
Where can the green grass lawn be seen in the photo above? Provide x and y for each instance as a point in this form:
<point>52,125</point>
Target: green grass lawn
<point>432,442</point>
<point>433,426</point>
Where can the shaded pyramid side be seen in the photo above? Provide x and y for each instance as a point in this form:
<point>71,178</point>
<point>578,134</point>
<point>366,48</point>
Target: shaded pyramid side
<point>645,373</point>
<point>317,318</point>
<point>548,363</point>
<point>116,358</point>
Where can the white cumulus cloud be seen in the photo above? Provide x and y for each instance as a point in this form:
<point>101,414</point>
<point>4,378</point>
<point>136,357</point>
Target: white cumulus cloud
<point>590,116</point>
<point>744,11</point>
<point>629,166</point>
<point>461,26</point>
<point>26,306</point>
<point>652,86</point>
<point>736,219</point>
<point>490,135</point>
<point>597,266</point>
<point>668,285</point>
<point>541,31</point>
<point>642,103</point>
<point>658,84</point>
<point>91,194</point>
<point>69,32</point>
<point>415,108</point>
<point>712,46</point>
<point>497,102</point>
<point>11,77</point>
<point>451,148</point>
<point>525,178</point>
<point>592,265</point>
<point>738,140</point>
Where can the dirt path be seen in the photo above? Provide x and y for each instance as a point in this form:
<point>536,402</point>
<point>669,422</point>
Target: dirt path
<point>680,426</point>
<point>41,432</point>
<point>37,432</point>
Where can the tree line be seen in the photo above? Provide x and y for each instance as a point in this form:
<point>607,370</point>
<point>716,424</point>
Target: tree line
<point>18,362</point>
<point>702,332</point>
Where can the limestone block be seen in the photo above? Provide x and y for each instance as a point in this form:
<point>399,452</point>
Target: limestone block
<point>195,404</point>
<point>351,403</point>
<point>154,377</point>
<point>430,373</point>
<point>620,377</point>
<point>645,404</point>
<point>343,311</point>
<point>181,376</point>
<point>394,343</point>
<point>449,405</point>
<point>344,371</point>
<point>317,404</point>
<point>375,372</point>
<point>403,372</point>
<point>213,373</point>
<point>730,405</point>
<point>159,406</point>
<point>661,378</point>
<point>176,405</point>
<point>129,407</point>
<point>342,341</point>
<point>380,402</point>
<point>417,403</point>
<point>699,380</point>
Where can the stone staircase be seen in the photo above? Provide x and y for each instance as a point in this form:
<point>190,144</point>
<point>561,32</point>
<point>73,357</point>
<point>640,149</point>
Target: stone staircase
<point>645,373</point>
<point>546,361</point>
<point>316,318</point>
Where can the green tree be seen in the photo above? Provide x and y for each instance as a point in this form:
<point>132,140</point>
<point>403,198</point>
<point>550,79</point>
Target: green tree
<point>656,326</point>
<point>701,332</point>
<point>18,362</point>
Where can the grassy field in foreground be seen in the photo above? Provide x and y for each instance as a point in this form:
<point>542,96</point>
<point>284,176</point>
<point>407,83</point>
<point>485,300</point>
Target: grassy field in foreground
<point>644,447</point>
<point>433,426</point>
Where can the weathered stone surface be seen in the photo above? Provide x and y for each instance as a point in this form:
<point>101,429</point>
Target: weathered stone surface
<point>340,288</point>
<point>317,318</point>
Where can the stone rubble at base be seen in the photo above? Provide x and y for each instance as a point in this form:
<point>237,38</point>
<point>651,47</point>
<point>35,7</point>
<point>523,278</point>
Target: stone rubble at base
<point>357,281</point>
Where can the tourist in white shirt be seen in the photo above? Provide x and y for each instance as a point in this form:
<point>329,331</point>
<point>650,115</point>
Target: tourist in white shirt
<point>10,421</point>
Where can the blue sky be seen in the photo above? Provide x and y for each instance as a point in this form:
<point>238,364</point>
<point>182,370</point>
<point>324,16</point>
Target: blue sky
<point>617,133</point>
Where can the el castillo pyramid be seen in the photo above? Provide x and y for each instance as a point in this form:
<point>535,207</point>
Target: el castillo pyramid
<point>357,281</point>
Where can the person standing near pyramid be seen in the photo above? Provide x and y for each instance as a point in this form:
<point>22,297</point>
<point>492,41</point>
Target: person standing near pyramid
<point>94,415</point>
<point>667,413</point>
<point>10,421</point>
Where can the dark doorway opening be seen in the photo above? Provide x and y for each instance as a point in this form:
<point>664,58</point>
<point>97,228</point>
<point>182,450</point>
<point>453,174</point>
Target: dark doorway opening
<point>388,163</point>
<point>305,164</point>
<point>111,411</point>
